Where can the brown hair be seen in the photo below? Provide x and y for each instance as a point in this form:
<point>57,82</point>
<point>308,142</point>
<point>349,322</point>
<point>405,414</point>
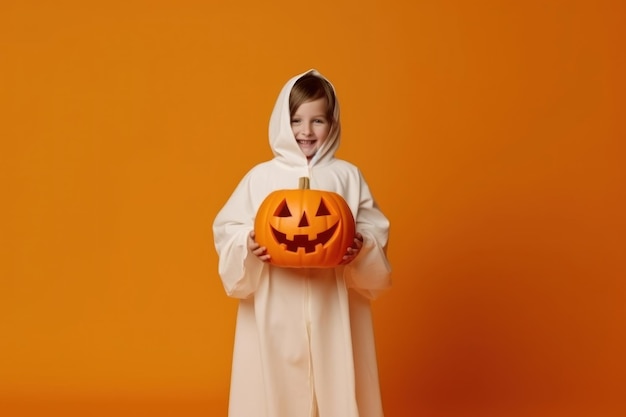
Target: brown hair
<point>310,88</point>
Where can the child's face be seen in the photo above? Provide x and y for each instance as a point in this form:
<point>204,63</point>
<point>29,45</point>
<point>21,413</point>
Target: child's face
<point>310,126</point>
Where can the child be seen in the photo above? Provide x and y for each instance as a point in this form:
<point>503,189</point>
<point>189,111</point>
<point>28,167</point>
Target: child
<point>304,342</point>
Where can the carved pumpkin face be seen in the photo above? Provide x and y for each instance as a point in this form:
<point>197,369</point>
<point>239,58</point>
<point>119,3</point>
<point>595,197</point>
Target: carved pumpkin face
<point>305,228</point>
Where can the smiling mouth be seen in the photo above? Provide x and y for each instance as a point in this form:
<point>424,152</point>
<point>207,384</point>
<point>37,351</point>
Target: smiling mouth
<point>306,141</point>
<point>302,241</point>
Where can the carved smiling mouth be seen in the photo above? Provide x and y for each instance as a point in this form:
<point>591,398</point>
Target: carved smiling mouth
<point>302,241</point>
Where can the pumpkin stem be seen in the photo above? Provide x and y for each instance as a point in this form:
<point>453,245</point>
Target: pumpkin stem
<point>304,183</point>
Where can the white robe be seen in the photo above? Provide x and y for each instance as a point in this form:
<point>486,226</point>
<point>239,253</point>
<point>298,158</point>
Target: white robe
<point>304,342</point>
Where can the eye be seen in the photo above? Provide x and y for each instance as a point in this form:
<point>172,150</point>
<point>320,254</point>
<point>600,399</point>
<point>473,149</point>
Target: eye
<point>282,210</point>
<point>320,121</point>
<point>322,210</point>
<point>295,121</point>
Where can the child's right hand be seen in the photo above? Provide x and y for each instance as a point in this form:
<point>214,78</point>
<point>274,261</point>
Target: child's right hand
<point>256,249</point>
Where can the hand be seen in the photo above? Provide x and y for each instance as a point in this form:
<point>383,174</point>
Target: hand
<point>256,249</point>
<point>353,250</point>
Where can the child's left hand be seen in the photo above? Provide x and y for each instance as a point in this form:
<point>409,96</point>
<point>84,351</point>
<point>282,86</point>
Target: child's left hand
<point>353,250</point>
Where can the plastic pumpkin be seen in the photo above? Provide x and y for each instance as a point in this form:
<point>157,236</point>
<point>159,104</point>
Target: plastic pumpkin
<point>304,228</point>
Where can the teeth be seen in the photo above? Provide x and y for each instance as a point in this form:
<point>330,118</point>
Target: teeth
<point>292,236</point>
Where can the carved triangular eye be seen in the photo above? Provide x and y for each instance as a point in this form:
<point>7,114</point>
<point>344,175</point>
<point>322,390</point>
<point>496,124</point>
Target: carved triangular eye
<point>322,210</point>
<point>282,210</point>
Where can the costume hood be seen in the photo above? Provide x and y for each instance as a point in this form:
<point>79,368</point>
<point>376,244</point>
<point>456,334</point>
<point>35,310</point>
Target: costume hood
<point>282,140</point>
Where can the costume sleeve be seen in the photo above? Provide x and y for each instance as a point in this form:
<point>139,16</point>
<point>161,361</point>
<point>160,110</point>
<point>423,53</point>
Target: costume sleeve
<point>370,273</point>
<point>239,269</point>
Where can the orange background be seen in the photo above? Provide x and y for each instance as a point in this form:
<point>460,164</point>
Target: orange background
<point>492,134</point>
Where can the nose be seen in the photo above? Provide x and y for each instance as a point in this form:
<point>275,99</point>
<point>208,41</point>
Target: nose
<point>304,222</point>
<point>305,129</point>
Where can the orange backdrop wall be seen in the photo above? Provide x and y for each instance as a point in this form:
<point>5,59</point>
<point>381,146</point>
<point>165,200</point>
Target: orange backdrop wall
<point>492,134</point>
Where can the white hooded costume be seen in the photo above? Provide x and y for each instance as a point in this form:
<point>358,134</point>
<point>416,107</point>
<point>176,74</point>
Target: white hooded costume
<point>304,342</point>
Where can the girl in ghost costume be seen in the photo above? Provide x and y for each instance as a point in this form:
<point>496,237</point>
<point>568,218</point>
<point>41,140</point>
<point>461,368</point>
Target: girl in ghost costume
<point>304,342</point>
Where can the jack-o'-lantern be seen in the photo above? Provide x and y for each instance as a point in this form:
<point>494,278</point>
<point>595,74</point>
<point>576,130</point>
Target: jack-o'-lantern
<point>304,228</point>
